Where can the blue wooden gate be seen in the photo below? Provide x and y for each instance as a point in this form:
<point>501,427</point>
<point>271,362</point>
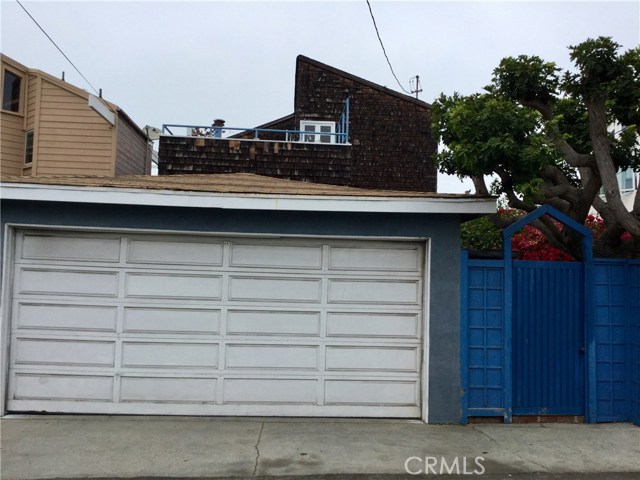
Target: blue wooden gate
<point>548,346</point>
<point>523,327</point>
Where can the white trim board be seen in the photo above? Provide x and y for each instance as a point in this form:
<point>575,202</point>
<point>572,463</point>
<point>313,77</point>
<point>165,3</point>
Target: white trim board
<point>172,198</point>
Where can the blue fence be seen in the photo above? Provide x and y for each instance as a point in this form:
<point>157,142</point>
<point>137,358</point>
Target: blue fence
<point>634,348</point>
<point>483,340</point>
<point>613,370</point>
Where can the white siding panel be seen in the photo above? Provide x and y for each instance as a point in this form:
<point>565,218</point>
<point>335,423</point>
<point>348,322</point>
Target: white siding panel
<point>171,320</point>
<point>277,256</point>
<point>61,282</point>
<point>32,351</point>
<point>358,258</point>
<point>285,391</point>
<point>244,322</point>
<point>46,247</point>
<point>173,286</point>
<point>169,355</point>
<point>63,387</point>
<point>372,358</point>
<point>175,253</point>
<point>274,289</point>
<point>168,389</point>
<point>345,324</point>
<point>374,291</point>
<point>294,357</point>
<point>370,392</point>
<point>67,317</point>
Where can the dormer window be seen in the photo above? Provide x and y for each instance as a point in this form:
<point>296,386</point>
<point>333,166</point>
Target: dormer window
<point>319,132</point>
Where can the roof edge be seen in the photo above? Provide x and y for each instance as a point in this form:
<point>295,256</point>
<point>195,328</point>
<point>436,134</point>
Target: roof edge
<point>245,201</point>
<point>124,116</point>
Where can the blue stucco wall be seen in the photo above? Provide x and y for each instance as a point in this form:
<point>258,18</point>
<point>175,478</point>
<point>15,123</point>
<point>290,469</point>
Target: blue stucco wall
<point>443,230</point>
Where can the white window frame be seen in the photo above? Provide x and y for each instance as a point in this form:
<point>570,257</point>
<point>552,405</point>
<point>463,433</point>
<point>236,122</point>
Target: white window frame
<point>622,177</point>
<point>28,153</point>
<point>315,136</point>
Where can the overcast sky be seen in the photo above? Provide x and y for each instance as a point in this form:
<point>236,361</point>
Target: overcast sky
<point>191,62</point>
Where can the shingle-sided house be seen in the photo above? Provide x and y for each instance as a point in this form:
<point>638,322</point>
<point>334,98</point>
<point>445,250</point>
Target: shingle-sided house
<point>50,127</point>
<point>230,295</point>
<point>344,130</point>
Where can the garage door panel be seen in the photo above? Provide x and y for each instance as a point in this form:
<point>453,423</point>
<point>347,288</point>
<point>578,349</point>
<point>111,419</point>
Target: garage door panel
<point>276,256</point>
<point>62,387</point>
<point>170,285</point>
<point>279,391</point>
<point>33,281</point>
<point>269,289</point>
<point>175,253</point>
<point>38,351</point>
<point>370,392</point>
<point>382,259</point>
<point>169,355</point>
<point>168,389</point>
<point>290,357</point>
<point>372,324</point>
<point>265,322</point>
<point>401,359</point>
<point>374,291</point>
<point>203,325</point>
<point>171,320</point>
<point>48,247</point>
<point>48,316</point>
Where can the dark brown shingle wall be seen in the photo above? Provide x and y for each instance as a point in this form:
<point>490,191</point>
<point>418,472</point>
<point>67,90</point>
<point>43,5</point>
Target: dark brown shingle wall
<point>309,162</point>
<point>391,134</point>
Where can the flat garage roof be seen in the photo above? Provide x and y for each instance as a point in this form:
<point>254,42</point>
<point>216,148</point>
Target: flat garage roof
<point>241,191</point>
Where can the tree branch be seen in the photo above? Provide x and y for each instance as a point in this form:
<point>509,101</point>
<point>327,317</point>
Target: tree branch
<point>480,185</point>
<point>574,158</point>
<point>507,187</point>
<point>596,109</point>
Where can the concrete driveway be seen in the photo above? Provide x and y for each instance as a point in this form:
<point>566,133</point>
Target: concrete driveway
<point>47,447</point>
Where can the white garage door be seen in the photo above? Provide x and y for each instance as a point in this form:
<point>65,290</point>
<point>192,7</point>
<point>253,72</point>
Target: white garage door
<point>160,324</point>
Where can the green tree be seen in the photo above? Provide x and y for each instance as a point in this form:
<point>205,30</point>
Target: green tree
<point>553,137</point>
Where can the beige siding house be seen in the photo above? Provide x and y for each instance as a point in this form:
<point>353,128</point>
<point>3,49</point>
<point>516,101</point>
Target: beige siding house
<point>49,127</point>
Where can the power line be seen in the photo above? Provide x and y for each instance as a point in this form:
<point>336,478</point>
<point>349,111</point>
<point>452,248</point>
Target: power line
<point>56,45</point>
<point>383,49</point>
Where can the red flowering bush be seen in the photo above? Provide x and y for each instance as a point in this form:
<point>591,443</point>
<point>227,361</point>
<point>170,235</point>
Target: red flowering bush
<point>530,244</point>
<point>595,224</point>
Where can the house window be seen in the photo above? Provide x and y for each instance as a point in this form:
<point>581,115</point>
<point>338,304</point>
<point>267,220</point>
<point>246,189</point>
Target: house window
<point>11,92</point>
<point>28,148</point>
<point>316,131</point>
<point>627,180</point>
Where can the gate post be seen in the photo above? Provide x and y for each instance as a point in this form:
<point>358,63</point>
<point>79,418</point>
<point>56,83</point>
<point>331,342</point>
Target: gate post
<point>464,336</point>
<point>508,322</point>
<point>591,403</point>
